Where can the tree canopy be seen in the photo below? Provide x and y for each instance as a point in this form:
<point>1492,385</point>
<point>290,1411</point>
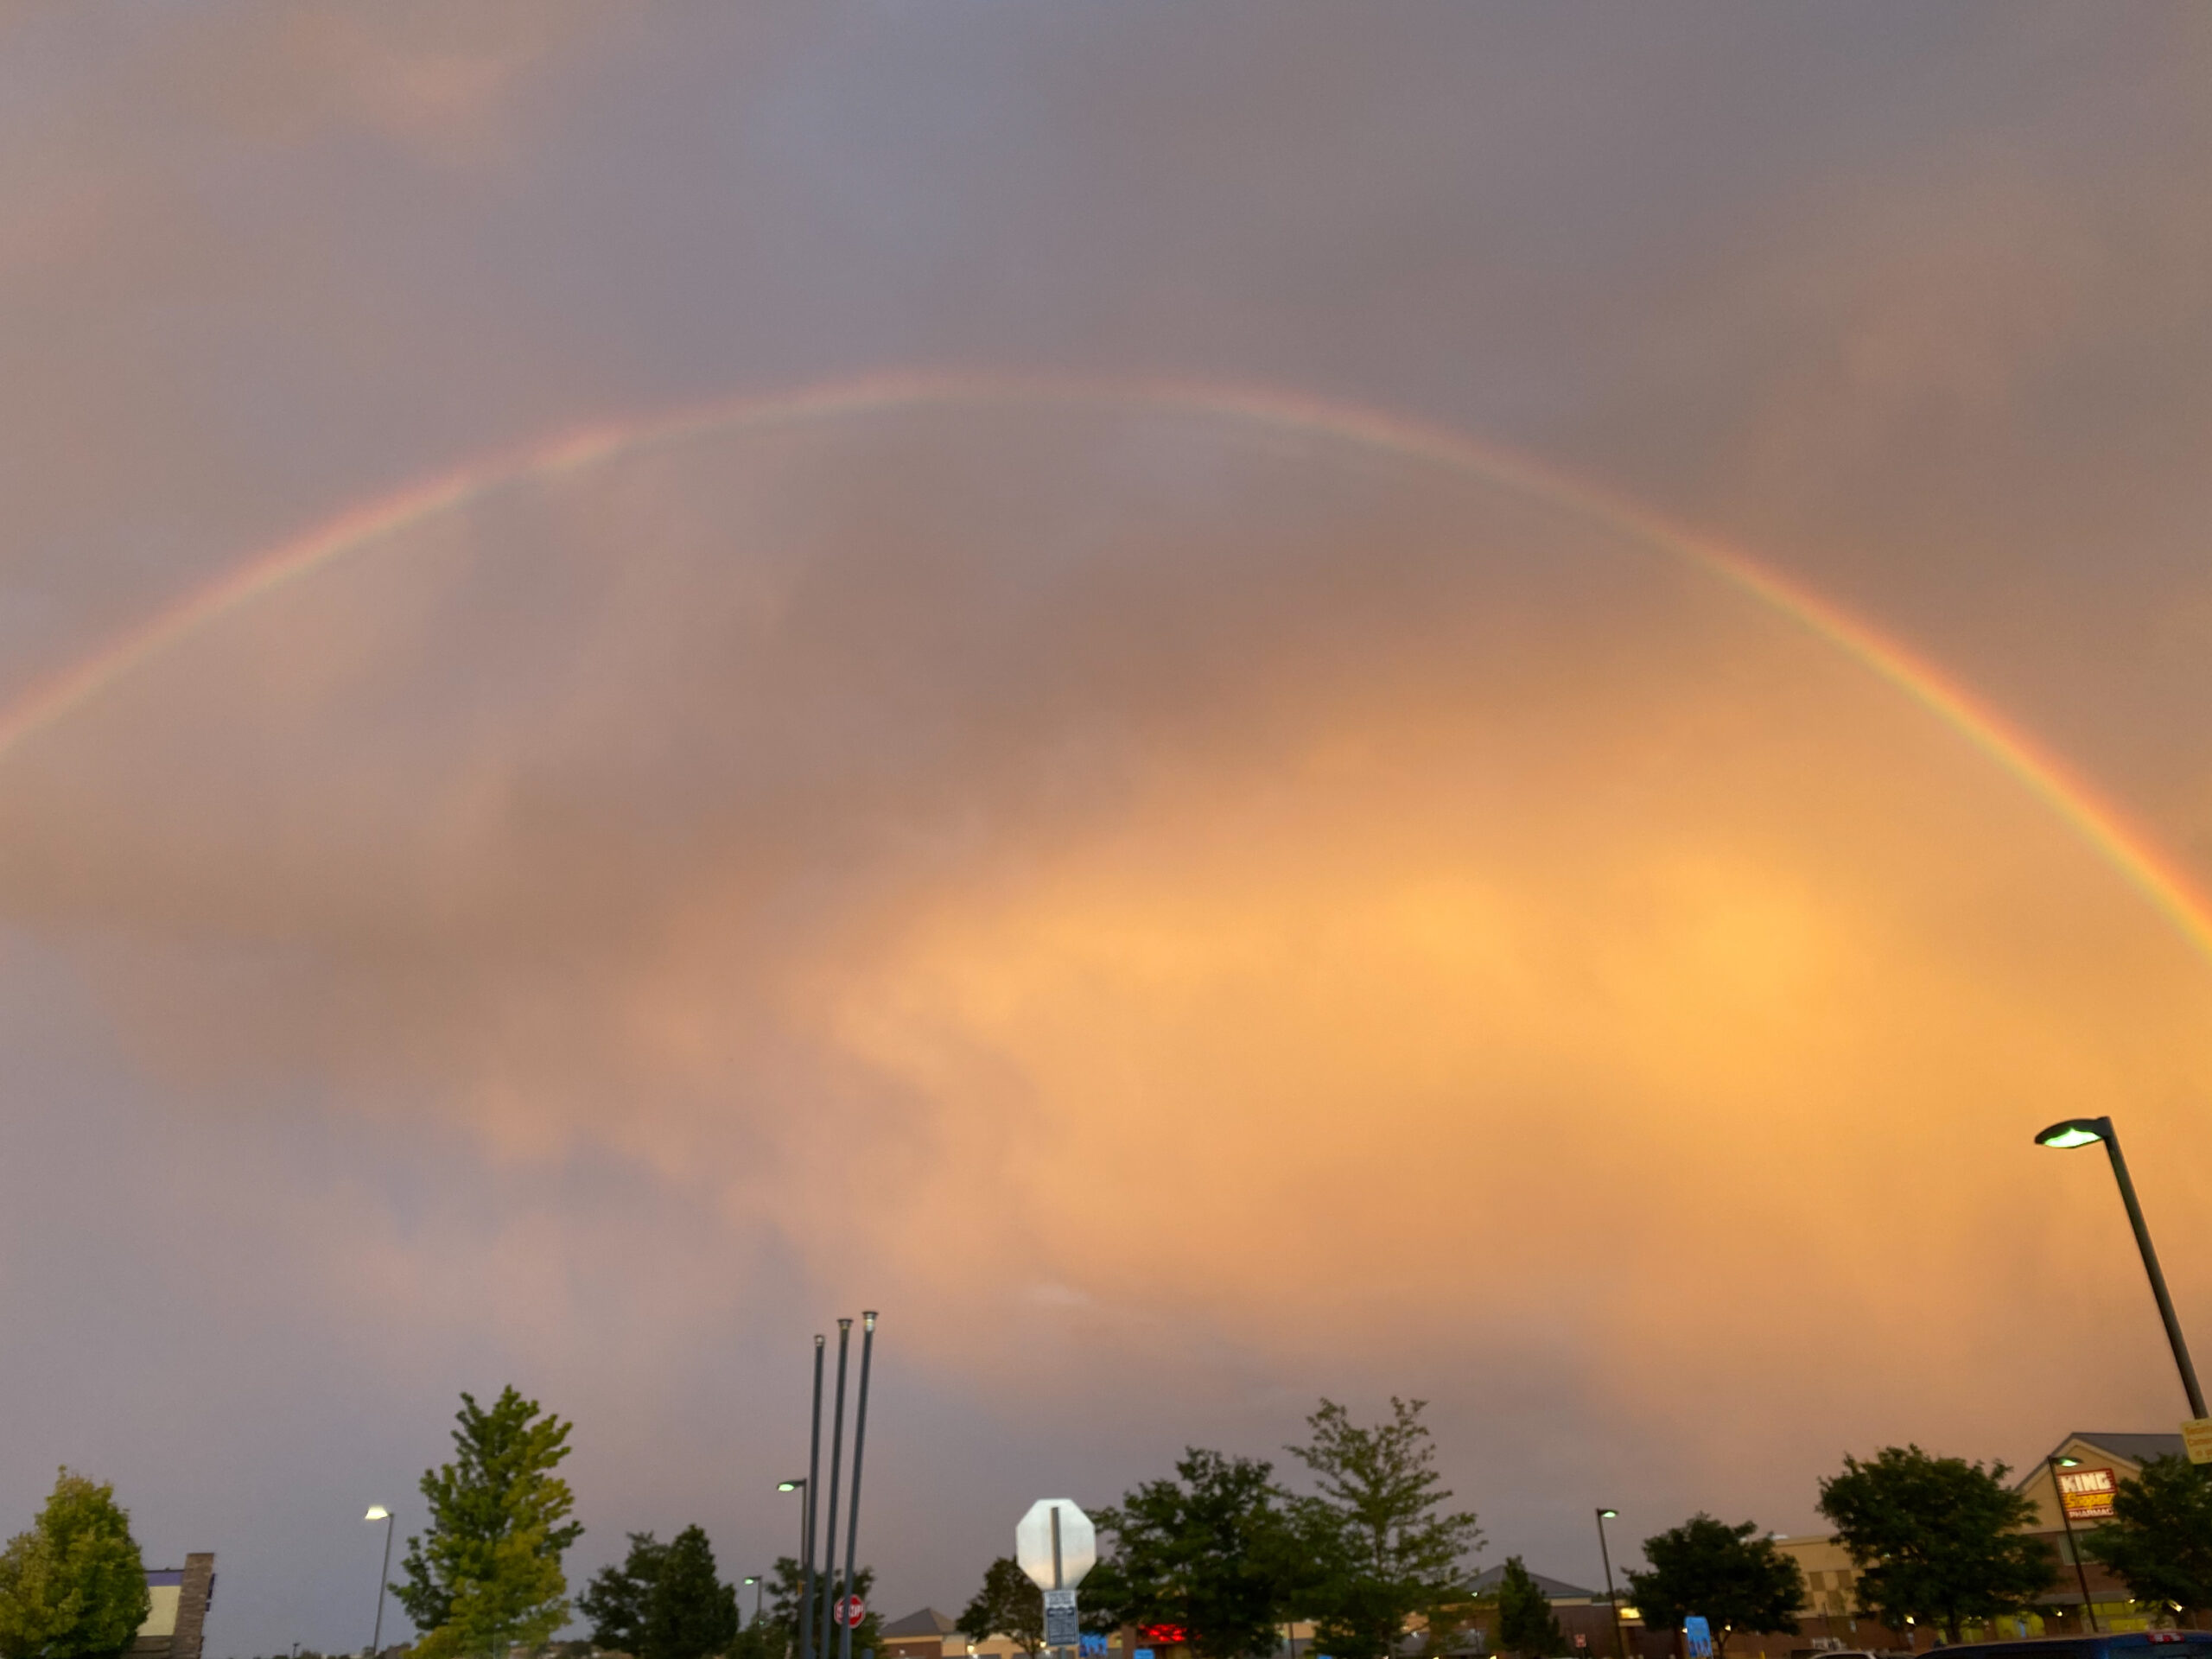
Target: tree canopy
<point>1527,1627</point>
<point>487,1575</point>
<point>614,1600</point>
<point>778,1633</point>
<point>2159,1539</point>
<point>1383,1549</point>
<point>73,1586</point>
<point>1936,1539</point>
<point>1210,1551</point>
<point>1730,1576</point>
<point>1010,1604</point>
<point>690,1612</point>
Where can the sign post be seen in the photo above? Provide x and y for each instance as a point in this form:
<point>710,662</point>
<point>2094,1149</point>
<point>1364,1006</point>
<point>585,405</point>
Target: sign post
<point>2196,1435</point>
<point>1056,1545</point>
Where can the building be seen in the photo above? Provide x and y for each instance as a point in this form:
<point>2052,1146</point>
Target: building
<point>924,1635</point>
<point>181,1597</point>
<point>2091,1465</point>
<point>1586,1616</point>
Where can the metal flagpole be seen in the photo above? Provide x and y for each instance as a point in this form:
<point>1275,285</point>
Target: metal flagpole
<point>836,1461</point>
<point>853,1503</point>
<point>806,1548</point>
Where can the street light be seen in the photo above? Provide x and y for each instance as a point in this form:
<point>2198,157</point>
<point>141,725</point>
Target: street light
<point>2066,1520</point>
<point>798,1485</point>
<point>2082,1131</point>
<point>377,1512</point>
<point>1612,1603</point>
<point>757,1591</point>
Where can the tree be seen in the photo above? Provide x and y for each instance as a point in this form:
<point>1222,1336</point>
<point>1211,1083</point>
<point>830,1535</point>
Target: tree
<point>1728,1575</point>
<point>614,1601</point>
<point>1384,1553</point>
<point>1526,1625</point>
<point>785,1594</point>
<point>690,1612</point>
<point>1010,1604</point>
<point>2159,1539</point>
<point>487,1575</point>
<point>74,1585</point>
<point>1208,1551</point>
<point>1936,1539</point>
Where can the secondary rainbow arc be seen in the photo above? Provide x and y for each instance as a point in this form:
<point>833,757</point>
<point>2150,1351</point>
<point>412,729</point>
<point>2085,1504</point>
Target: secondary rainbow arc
<point>2128,850</point>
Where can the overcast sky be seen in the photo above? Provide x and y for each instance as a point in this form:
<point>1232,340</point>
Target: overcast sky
<point>1186,908</point>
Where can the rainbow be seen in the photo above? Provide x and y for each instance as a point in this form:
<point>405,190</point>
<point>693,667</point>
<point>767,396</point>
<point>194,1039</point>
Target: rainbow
<point>2128,850</point>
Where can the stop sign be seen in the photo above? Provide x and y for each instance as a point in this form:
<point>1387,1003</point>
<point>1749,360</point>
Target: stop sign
<point>851,1610</point>
<point>1032,1543</point>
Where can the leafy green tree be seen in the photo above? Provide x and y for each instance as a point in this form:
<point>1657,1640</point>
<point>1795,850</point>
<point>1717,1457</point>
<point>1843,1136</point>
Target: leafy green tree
<point>614,1601</point>
<point>784,1597</point>
<point>1729,1575</point>
<point>73,1585</point>
<point>1526,1625</point>
<point>1936,1539</point>
<point>1010,1604</point>
<point>487,1575</point>
<point>1210,1552</point>
<point>2159,1538</point>
<point>1382,1551</point>
<point>690,1612</point>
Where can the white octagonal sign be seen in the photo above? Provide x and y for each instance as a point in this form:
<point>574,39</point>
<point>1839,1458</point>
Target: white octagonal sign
<point>1032,1543</point>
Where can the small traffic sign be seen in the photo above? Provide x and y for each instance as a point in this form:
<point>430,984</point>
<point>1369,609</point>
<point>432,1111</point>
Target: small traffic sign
<point>1056,1544</point>
<point>851,1610</point>
<point>1062,1628</point>
<point>2196,1435</point>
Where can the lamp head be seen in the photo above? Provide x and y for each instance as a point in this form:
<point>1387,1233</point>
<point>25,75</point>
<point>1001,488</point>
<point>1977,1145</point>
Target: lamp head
<point>2067,1463</point>
<point>377,1512</point>
<point>791,1485</point>
<point>1609,1514</point>
<point>2075,1132</point>
<point>867,1319</point>
<point>753,1578</point>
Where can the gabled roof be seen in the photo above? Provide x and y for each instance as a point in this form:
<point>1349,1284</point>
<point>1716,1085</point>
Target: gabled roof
<point>928,1622</point>
<point>2136,1448</point>
<point>1555,1589</point>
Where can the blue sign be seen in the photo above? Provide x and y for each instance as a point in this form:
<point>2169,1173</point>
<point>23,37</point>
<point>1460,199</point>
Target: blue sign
<point>1700,1635</point>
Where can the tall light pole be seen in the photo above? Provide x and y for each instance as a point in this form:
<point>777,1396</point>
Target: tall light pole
<point>2066,1520</point>
<point>757,1589</point>
<point>377,1512</point>
<point>2081,1132</point>
<point>1612,1602</point>
<point>801,1485</point>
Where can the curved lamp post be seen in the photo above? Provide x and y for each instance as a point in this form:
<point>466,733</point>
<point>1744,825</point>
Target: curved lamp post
<point>2066,1520</point>
<point>377,1512</point>
<point>2086,1131</point>
<point>1612,1602</point>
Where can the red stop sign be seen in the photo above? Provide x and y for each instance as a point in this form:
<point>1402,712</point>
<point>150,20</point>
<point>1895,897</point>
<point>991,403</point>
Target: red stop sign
<point>851,1610</point>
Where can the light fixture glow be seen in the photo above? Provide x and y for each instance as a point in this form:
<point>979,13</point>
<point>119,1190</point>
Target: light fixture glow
<point>2075,1132</point>
<point>790,1485</point>
<point>1609,1514</point>
<point>377,1512</point>
<point>2067,1463</point>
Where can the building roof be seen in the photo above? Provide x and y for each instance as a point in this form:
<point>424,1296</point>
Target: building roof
<point>2136,1448</point>
<point>1555,1589</point>
<point>928,1622</point>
